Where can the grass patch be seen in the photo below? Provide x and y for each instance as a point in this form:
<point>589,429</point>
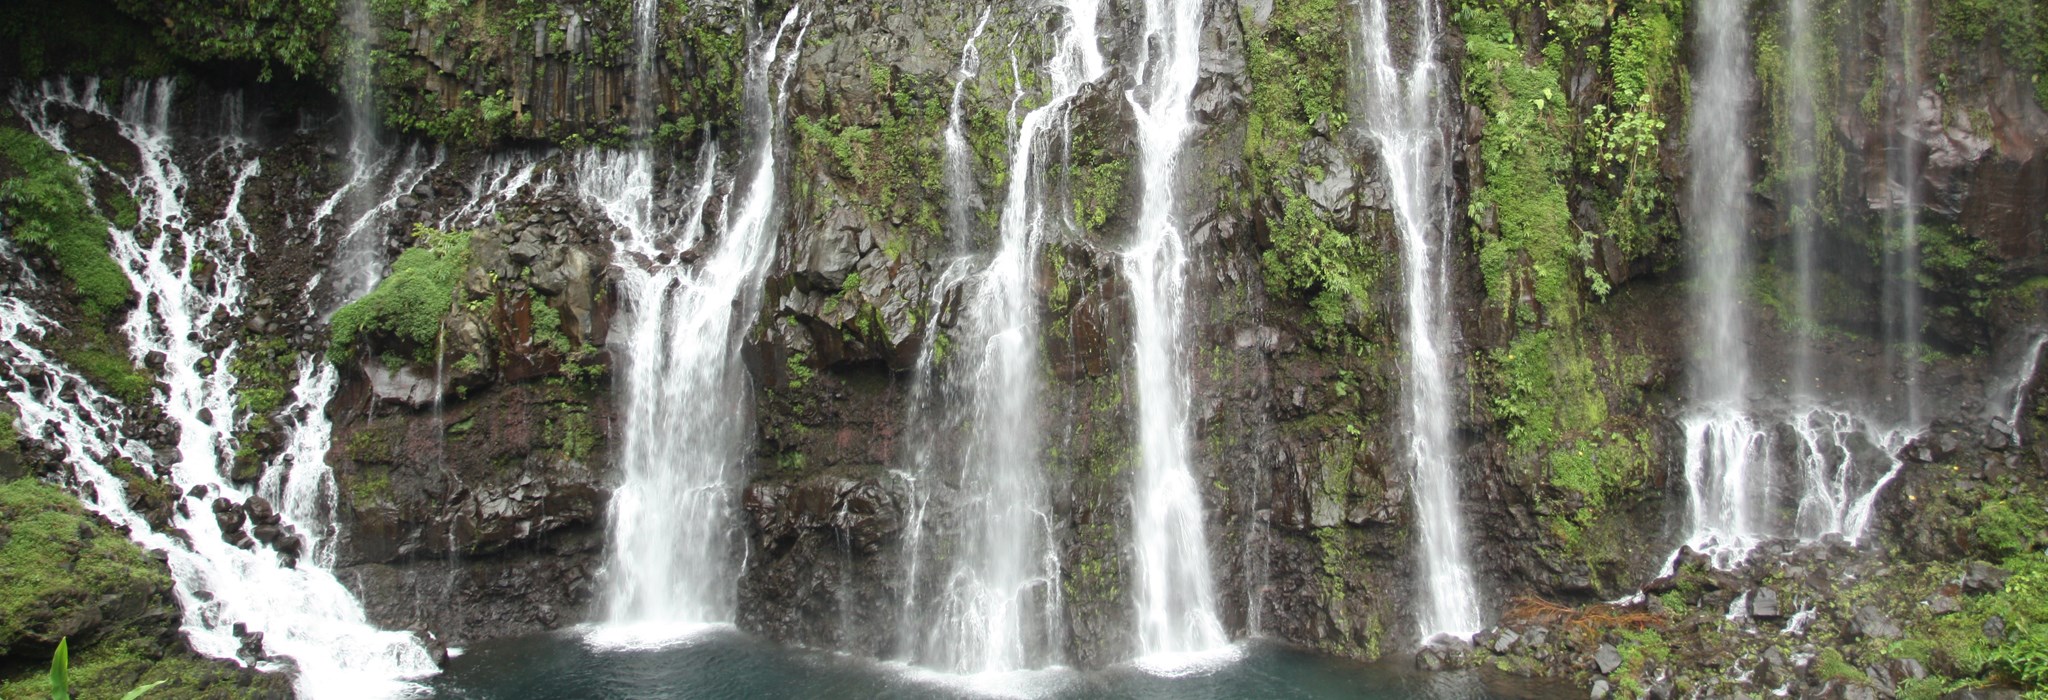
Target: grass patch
<point>49,213</point>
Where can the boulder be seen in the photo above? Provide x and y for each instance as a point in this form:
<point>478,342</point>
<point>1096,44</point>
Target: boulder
<point>1763,604</point>
<point>1606,659</point>
<point>1872,622</point>
<point>1984,578</point>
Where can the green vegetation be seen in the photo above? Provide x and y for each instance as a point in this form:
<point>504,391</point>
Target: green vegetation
<point>81,37</point>
<point>1297,66</point>
<point>1528,250</point>
<point>570,427</point>
<point>2006,527</point>
<point>800,372</point>
<point>108,369</point>
<point>892,164</point>
<point>409,305</point>
<point>1624,138</point>
<point>2018,28</point>
<point>60,676</point>
<point>57,562</point>
<point>288,36</point>
<point>49,213</point>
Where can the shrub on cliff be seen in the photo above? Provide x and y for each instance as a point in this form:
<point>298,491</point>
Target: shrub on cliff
<point>48,213</point>
<point>409,304</point>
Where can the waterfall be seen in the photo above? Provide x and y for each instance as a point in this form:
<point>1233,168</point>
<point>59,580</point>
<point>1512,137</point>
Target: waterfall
<point>1835,444</point>
<point>645,37</point>
<point>929,421</point>
<point>298,607</point>
<point>364,211</point>
<point>669,568</point>
<point>1801,185</point>
<point>998,607</point>
<point>1837,497</point>
<point>1726,450</point>
<point>960,188</point>
<point>2010,392</point>
<point>1903,316</point>
<point>1176,597</point>
<point>501,177</point>
<point>1405,118</point>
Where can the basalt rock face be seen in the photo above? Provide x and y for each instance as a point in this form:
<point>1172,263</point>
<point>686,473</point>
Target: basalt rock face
<point>472,487</point>
<point>473,471</point>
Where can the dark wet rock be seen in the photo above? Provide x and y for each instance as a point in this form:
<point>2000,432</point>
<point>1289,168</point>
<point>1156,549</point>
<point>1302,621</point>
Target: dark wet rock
<point>1763,604</point>
<point>403,386</point>
<point>1505,642</point>
<point>1606,659</point>
<point>1980,577</point>
<point>1982,694</point>
<point>1442,655</point>
<point>1872,622</point>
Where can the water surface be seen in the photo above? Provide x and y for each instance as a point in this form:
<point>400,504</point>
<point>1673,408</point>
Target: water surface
<point>730,664</point>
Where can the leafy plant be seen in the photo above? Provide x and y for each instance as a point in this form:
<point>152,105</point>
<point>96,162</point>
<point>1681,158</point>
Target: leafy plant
<point>60,676</point>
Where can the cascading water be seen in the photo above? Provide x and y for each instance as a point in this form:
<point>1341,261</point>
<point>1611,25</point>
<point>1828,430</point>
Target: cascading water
<point>2009,395</point>
<point>501,177</point>
<point>929,421</point>
<point>1725,449</point>
<point>1175,596</point>
<point>1801,184</point>
<point>359,208</point>
<point>1903,316</point>
<point>1404,117</point>
<point>1837,445</point>
<point>299,607</point>
<point>960,186</point>
<point>1837,497</point>
<point>998,607</point>
<point>669,570</point>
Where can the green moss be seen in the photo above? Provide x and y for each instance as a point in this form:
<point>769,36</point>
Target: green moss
<point>49,213</point>
<point>547,327</point>
<point>1832,667</point>
<point>264,369</point>
<point>57,561</point>
<point>572,429</point>
<point>889,164</point>
<point>1528,249</point>
<point>2007,526</point>
<point>409,305</point>
<point>111,371</point>
<point>2018,29</point>
<point>371,486</point>
<point>110,667</point>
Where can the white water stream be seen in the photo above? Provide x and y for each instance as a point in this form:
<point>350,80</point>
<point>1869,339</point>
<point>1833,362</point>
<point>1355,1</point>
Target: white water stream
<point>303,612</point>
<point>670,569</point>
<point>1404,117</point>
<point>998,606</point>
<point>1726,464</point>
<point>1175,596</point>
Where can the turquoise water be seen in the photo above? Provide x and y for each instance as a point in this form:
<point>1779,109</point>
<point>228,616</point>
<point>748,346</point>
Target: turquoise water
<point>730,664</point>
